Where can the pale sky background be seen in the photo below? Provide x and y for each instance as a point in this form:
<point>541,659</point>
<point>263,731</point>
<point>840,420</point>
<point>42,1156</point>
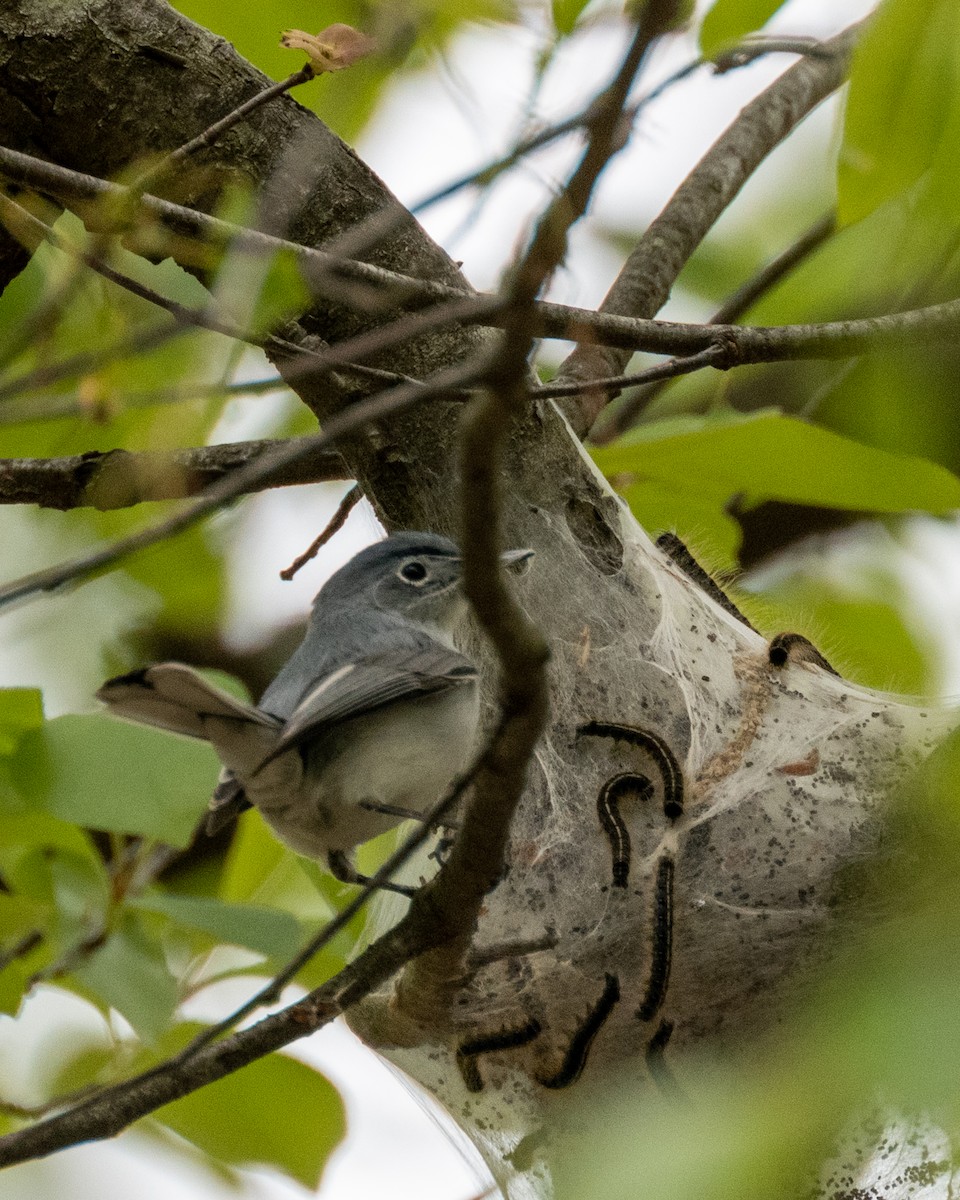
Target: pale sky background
<point>433,127</point>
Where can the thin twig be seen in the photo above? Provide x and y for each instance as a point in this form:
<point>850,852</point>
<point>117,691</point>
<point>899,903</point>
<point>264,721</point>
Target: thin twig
<point>20,949</point>
<point>212,132</point>
<point>334,525</point>
<point>488,173</point>
<point>755,344</point>
<point>743,299</point>
<point>739,56</point>
<point>400,857</point>
<point>463,305</point>
<point>54,406</point>
<point>712,356</point>
<point>428,985</point>
<point>207,318</point>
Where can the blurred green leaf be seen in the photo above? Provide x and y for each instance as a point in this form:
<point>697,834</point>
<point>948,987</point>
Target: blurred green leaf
<point>730,20</point>
<point>767,456</point>
<point>903,100</point>
<point>259,293</point>
<point>186,572</point>
<point>276,1111</point>
<point>566,13</point>
<point>23,923</point>
<point>86,1060</point>
<point>129,973</point>
<point>700,520</point>
<point>21,709</point>
<point>106,774</point>
<point>268,931</point>
<point>253,856</point>
<point>31,830</point>
<point>260,870</point>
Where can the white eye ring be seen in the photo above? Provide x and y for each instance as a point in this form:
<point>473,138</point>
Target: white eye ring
<point>413,571</point>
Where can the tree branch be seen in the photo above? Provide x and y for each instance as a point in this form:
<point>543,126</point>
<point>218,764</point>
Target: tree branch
<point>644,283</point>
<point>346,506</point>
<point>120,478</point>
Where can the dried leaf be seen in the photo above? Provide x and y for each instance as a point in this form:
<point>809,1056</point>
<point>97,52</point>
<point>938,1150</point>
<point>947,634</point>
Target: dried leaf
<point>332,49</point>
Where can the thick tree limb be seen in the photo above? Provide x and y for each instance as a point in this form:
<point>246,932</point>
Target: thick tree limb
<point>120,478</point>
<point>644,283</point>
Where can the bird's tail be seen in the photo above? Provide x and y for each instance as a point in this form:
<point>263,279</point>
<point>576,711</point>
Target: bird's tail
<point>174,697</point>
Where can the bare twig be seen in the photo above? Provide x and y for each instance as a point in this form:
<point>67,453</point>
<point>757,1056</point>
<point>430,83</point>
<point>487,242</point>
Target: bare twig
<point>743,299</point>
<point>21,948</point>
<point>712,356</point>
<point>208,318</point>
<point>388,288</point>
<point>396,861</point>
<point>55,406</point>
<point>334,525</point>
<point>644,283</point>
<point>120,478</point>
<point>738,56</point>
<point>757,344</point>
<point>488,173</point>
<point>212,132</point>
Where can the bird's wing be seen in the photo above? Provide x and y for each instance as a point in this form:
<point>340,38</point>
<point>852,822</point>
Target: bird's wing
<point>172,696</point>
<point>367,684</point>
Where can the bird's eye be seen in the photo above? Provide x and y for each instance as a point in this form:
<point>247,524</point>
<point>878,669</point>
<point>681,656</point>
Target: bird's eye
<point>413,572</point>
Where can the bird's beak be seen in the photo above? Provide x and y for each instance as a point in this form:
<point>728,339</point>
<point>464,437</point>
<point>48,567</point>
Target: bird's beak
<point>517,561</point>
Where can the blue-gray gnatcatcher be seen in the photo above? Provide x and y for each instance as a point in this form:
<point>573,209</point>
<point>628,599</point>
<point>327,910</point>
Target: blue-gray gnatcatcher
<point>365,726</point>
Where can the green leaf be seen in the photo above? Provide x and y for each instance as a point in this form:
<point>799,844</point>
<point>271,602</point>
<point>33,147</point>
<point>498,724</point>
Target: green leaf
<point>129,973</point>
<point>21,709</point>
<point>766,456</point>
<point>276,1111</point>
<point>105,774</point>
<point>730,20</point>
<point>566,13</point>
<point>268,931</point>
<point>22,925</point>
<point>904,93</point>
<point>186,572</point>
<point>34,830</point>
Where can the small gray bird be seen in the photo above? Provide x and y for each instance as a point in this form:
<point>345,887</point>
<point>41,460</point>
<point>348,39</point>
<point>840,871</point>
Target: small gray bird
<point>367,723</point>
